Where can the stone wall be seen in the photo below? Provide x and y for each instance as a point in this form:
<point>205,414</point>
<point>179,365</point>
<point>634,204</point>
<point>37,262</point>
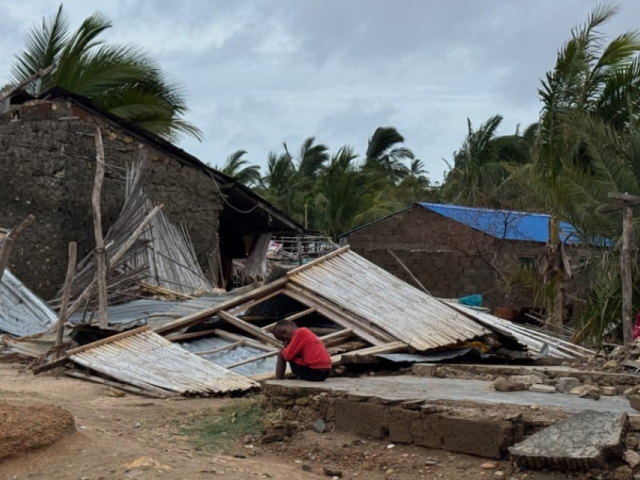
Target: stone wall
<point>47,167</point>
<point>450,259</point>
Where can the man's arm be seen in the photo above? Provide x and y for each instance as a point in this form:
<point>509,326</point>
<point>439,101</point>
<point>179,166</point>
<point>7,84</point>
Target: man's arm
<point>281,367</point>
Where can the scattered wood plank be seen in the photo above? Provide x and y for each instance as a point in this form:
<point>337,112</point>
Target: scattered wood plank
<point>250,329</point>
<point>36,76</point>
<point>197,317</point>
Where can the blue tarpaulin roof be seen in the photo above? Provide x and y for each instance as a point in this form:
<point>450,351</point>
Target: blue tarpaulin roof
<point>504,224</point>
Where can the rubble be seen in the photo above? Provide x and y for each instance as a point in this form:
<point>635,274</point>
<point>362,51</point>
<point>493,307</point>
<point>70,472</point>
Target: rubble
<point>586,440</point>
<point>566,384</point>
<point>540,388</point>
<point>586,391</point>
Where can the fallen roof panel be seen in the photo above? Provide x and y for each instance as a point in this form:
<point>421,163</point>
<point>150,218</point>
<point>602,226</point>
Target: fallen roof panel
<point>148,361</point>
<point>358,286</point>
<point>21,312</point>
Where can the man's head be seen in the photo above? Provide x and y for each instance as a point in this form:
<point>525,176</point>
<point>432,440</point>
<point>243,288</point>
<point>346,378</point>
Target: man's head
<point>284,330</point>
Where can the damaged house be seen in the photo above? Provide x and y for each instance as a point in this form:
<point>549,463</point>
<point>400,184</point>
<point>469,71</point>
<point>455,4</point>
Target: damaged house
<point>456,251</point>
<point>47,167</point>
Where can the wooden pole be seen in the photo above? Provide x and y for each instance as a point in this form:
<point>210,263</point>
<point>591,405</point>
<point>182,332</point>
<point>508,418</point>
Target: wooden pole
<point>99,252</point>
<point>299,246</point>
<point>86,294</point>
<point>24,83</point>
<point>411,275</point>
<point>71,270</point>
<point>625,269</point>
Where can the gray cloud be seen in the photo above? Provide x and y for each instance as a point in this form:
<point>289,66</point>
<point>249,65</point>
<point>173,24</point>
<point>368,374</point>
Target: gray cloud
<point>260,72</point>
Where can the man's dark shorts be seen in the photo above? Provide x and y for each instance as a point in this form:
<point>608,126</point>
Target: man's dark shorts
<point>309,374</point>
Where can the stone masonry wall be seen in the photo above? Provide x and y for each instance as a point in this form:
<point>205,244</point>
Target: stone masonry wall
<point>47,168</point>
<point>450,259</point>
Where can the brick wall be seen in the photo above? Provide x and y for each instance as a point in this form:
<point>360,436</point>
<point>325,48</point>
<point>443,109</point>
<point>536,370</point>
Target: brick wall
<point>450,259</point>
<point>47,161</point>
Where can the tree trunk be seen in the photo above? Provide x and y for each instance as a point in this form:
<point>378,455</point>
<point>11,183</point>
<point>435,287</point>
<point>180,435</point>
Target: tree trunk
<point>625,270</point>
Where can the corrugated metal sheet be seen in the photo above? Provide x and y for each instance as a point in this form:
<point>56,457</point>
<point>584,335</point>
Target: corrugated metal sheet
<point>232,356</point>
<point>411,316</point>
<point>425,357</point>
<point>537,342</point>
<point>504,224</point>
<point>21,312</point>
<point>147,360</point>
<point>126,315</point>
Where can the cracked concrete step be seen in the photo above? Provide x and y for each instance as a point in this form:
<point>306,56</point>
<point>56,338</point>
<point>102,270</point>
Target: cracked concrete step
<point>586,440</point>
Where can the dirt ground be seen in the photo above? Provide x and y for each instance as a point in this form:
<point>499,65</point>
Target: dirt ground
<point>132,437</point>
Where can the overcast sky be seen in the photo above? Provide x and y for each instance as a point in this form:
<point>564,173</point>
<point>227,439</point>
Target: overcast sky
<point>260,72</point>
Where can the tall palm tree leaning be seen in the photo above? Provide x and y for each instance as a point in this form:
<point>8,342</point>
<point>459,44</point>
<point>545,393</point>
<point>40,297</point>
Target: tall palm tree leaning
<point>238,167</point>
<point>123,79</point>
<point>385,154</point>
<point>593,77</point>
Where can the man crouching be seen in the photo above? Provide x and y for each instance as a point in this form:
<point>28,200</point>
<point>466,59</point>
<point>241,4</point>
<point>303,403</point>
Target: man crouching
<point>305,352</point>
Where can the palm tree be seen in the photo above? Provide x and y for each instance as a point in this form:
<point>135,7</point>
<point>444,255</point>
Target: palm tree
<point>416,186</point>
<point>593,77</point>
<point>123,79</point>
<point>240,168</point>
<point>338,193</point>
<point>385,155</point>
<point>280,184</point>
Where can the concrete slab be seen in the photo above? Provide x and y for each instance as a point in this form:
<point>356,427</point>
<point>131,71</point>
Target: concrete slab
<point>586,440</point>
<point>430,389</point>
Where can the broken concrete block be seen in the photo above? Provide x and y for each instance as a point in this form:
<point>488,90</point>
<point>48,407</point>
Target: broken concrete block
<point>528,380</point>
<point>502,385</point>
<point>586,391</point>
<point>632,458</point>
<point>634,402</point>
<point>540,388</point>
<point>424,369</point>
<point>362,418</point>
<point>404,425</point>
<point>623,473</point>
<point>461,434</point>
<point>586,440</point>
<point>566,384</point>
<point>609,391</point>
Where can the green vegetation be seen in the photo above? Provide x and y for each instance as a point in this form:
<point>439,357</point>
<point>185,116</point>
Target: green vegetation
<point>219,431</point>
<point>584,145</point>
<point>120,78</point>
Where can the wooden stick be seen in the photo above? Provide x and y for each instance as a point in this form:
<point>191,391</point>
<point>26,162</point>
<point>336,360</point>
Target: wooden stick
<point>250,329</point>
<point>42,73</point>
<point>251,360</point>
<point>71,269</point>
<point>627,279</point>
<point>304,313</point>
<point>318,261</point>
<point>411,275</point>
<point>99,252</point>
<point>248,342</point>
<point>197,317</point>
<point>231,346</point>
<point>86,294</point>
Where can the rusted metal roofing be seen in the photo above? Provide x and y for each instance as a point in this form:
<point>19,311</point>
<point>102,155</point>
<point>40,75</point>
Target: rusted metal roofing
<point>146,360</point>
<point>21,312</point>
<point>358,286</point>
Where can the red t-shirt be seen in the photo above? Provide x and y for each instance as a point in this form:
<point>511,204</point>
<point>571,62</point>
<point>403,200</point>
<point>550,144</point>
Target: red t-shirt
<point>307,350</point>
